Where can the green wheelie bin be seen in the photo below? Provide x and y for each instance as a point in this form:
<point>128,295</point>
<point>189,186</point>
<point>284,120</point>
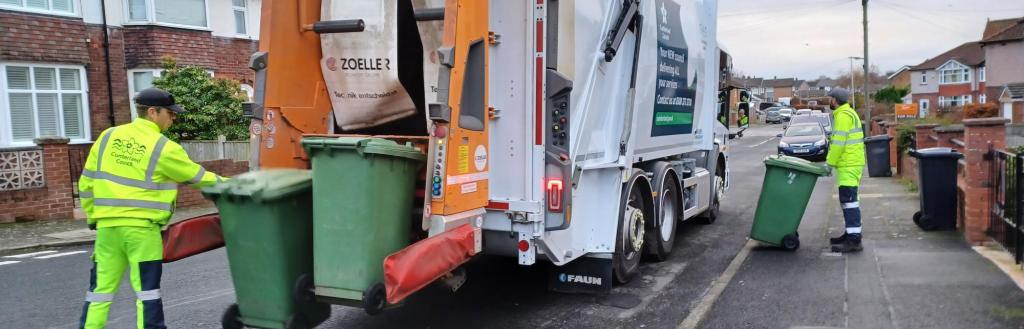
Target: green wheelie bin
<point>268,226</point>
<point>363,190</point>
<point>787,187</point>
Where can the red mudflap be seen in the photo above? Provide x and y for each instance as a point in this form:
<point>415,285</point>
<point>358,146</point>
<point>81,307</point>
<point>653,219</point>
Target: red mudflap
<point>192,236</point>
<point>410,269</point>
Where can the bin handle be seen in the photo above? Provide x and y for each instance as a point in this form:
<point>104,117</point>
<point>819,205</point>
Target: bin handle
<point>360,145</point>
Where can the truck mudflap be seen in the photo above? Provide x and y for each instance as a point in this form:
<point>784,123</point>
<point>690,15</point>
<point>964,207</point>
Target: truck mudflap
<point>410,269</point>
<point>192,236</point>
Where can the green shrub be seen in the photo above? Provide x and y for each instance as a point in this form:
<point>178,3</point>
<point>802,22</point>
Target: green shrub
<point>213,106</point>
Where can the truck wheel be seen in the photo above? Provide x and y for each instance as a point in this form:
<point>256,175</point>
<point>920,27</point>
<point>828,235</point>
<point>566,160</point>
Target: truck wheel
<point>635,208</point>
<point>661,231</point>
<point>231,319</point>
<point>709,216</point>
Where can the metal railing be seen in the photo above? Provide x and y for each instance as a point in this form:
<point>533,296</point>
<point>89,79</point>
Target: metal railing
<point>1007,174</point>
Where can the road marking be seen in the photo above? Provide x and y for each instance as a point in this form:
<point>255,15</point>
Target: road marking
<point>700,312</point>
<point>31,254</point>
<point>762,143</point>
<point>61,254</point>
<point>9,262</point>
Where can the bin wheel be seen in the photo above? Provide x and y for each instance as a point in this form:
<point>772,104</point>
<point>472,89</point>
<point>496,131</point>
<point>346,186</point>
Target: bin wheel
<point>296,321</point>
<point>917,218</point>
<point>302,291</point>
<point>790,242</point>
<point>375,299</point>
<point>232,319</point>
<point>926,223</point>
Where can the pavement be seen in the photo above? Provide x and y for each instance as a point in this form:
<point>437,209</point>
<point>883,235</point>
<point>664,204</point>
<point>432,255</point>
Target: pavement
<point>17,237</point>
<point>715,278</point>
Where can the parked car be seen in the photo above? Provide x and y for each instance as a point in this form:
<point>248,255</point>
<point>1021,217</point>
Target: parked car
<point>823,119</point>
<point>772,115</point>
<point>804,140</point>
<point>786,114</point>
<point>816,112</point>
<point>803,111</point>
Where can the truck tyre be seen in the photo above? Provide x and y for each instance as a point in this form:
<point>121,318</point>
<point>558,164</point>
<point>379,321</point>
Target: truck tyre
<point>635,208</point>
<point>709,216</point>
<point>661,230</point>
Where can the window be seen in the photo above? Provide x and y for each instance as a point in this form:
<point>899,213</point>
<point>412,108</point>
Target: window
<point>42,100</point>
<point>238,6</point>
<point>55,7</point>
<point>183,13</point>
<point>924,78</point>
<point>954,101</point>
<point>953,72</point>
<point>982,98</point>
<point>981,74</point>
<point>139,80</point>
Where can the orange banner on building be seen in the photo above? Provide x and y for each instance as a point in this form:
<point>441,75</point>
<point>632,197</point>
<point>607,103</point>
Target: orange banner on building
<point>906,111</point>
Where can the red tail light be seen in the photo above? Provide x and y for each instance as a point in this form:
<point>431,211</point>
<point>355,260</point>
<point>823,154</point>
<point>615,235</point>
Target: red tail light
<point>554,189</point>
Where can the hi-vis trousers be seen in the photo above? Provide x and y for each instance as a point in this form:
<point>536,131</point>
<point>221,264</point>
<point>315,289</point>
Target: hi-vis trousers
<point>140,249</point>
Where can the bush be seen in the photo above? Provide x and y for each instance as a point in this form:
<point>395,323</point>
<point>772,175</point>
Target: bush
<point>213,106</point>
<point>986,110</point>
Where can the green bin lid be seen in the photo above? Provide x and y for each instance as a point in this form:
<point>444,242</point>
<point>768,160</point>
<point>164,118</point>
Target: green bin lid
<point>264,185</point>
<point>364,145</point>
<point>797,164</point>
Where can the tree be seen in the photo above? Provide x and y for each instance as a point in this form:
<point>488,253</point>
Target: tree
<point>213,106</point>
<point>891,95</point>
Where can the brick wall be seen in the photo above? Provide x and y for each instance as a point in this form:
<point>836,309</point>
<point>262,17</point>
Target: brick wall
<point>96,73</point>
<point>43,39</point>
<point>54,199</point>
<point>145,46</point>
<point>190,197</point>
<point>980,136</point>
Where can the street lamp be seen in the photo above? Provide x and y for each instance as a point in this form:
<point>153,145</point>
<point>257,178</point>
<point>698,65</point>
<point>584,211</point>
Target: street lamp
<point>853,90</point>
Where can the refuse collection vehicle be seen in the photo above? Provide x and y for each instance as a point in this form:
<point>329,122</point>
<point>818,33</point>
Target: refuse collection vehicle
<point>579,133</point>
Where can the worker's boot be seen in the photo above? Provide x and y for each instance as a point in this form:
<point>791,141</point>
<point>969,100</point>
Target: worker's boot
<point>851,244</point>
<point>838,240</point>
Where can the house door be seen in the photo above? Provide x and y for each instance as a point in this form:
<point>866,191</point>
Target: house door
<point>923,107</point>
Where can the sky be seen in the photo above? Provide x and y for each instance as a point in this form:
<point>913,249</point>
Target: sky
<point>809,38</point>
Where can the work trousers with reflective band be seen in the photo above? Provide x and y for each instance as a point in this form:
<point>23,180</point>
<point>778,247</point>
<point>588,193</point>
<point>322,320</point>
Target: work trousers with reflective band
<point>140,249</point>
<point>851,209</point>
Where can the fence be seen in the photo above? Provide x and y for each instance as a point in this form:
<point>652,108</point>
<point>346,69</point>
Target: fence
<point>218,149</point>
<point>1005,217</point>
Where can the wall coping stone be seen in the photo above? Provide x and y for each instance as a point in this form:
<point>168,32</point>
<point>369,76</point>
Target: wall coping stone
<point>926,125</point>
<point>950,128</point>
<point>986,122</point>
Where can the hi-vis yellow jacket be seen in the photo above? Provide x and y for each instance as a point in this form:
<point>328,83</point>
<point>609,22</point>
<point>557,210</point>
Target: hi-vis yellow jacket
<point>847,147</point>
<point>131,176</point>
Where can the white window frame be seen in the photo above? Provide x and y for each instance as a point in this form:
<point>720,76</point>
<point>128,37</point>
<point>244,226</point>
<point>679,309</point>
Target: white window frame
<point>7,136</point>
<point>76,8</point>
<point>963,71</point>
<point>245,15</point>
<point>982,98</point>
<point>151,17</point>
<point>924,78</point>
<point>981,74</point>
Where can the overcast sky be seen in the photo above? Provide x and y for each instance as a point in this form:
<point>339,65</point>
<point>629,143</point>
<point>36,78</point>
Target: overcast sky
<point>808,38</point>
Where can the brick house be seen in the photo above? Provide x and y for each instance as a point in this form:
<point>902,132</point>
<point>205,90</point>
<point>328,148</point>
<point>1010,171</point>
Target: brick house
<point>779,88</point>
<point>900,78</point>
<point>1004,54</point>
<point>69,68</point>
<point>950,80</point>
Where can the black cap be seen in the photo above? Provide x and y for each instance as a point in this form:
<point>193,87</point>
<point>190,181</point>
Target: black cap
<point>157,97</point>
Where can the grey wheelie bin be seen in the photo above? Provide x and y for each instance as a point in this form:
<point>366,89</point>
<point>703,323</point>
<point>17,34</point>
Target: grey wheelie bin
<point>877,149</point>
<point>268,228</point>
<point>936,172</point>
<point>787,187</point>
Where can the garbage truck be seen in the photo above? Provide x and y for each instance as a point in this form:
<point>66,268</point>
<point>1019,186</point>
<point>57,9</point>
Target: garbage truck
<point>570,132</point>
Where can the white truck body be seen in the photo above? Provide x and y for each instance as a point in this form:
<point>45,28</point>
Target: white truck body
<point>602,112</point>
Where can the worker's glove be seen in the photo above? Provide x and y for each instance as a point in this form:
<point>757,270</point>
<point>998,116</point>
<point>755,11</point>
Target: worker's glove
<point>92,226</point>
